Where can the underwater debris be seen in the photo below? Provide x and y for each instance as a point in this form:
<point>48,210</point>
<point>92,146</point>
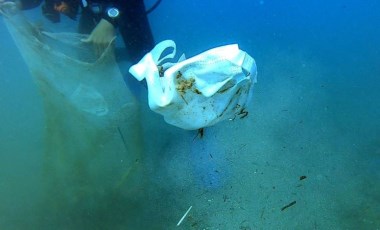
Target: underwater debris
<point>288,205</point>
<point>184,215</point>
<point>303,177</point>
<point>200,133</point>
<point>242,113</point>
<point>160,70</point>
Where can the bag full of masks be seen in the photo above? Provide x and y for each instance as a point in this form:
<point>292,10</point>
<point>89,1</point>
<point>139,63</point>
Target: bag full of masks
<point>200,91</point>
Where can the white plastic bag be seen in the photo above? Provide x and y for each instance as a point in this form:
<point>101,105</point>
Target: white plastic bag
<point>200,91</point>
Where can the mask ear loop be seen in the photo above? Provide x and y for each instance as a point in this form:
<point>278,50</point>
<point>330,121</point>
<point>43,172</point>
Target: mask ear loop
<point>156,84</point>
<point>148,69</point>
<point>146,63</point>
<point>160,48</point>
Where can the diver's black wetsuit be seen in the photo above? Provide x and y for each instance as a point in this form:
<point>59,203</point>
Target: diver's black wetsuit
<point>132,22</point>
<point>133,25</point>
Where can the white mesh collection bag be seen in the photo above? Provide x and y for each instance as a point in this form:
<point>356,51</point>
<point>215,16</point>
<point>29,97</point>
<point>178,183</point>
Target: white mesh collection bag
<point>200,91</point>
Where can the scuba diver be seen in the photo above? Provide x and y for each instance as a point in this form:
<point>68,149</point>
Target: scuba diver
<point>100,18</point>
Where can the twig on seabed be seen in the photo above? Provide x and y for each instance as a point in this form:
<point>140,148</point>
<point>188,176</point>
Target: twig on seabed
<point>288,205</point>
<point>184,215</point>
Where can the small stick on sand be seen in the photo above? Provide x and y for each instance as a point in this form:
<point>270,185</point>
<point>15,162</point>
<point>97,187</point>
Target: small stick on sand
<point>288,205</point>
<point>184,215</point>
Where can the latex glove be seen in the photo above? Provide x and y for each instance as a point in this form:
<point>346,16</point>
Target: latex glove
<point>101,36</point>
<point>8,8</point>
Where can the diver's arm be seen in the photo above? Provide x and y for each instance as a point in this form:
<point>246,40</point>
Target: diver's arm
<point>104,32</point>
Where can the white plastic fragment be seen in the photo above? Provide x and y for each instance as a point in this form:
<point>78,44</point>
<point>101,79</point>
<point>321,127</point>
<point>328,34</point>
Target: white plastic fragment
<point>184,216</point>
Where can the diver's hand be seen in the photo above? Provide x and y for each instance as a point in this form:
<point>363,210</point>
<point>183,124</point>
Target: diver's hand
<point>101,36</point>
<point>8,8</point>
